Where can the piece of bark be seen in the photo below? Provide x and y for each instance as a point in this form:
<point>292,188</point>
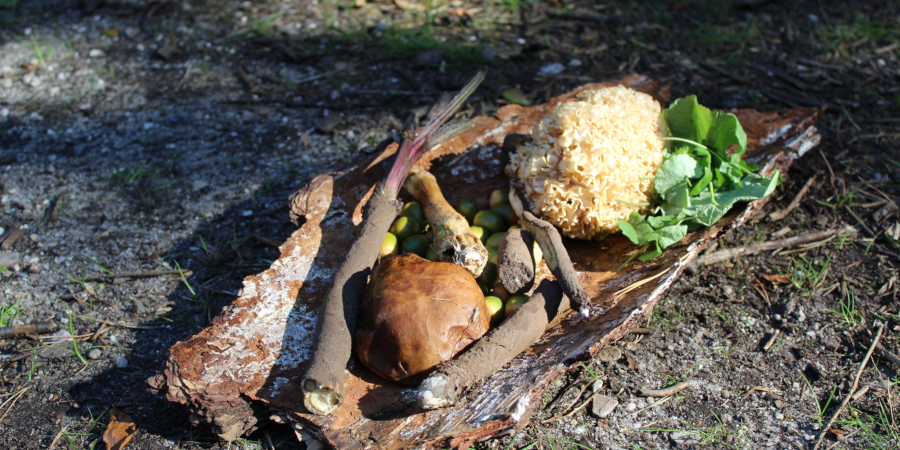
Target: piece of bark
<point>519,331</point>
<point>515,261</point>
<point>249,361</point>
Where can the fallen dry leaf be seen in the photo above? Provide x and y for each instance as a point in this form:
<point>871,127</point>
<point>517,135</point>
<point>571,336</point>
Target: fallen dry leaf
<point>119,431</point>
<point>777,279</point>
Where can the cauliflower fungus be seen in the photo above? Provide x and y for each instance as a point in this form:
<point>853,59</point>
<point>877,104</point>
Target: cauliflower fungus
<point>584,164</point>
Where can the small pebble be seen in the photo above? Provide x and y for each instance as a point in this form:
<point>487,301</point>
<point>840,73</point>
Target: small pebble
<point>95,354</point>
<point>609,354</point>
<point>121,362</point>
<point>779,404</point>
<point>779,416</point>
<point>95,53</point>
<point>603,406</point>
<point>630,407</point>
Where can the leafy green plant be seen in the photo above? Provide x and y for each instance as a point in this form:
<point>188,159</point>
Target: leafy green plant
<point>699,181</point>
<point>849,316</point>
<point>878,431</point>
<point>75,341</point>
<point>820,409</point>
<point>8,313</point>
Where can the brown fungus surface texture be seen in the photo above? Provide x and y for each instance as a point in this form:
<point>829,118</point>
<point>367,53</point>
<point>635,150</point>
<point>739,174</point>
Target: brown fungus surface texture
<point>417,314</point>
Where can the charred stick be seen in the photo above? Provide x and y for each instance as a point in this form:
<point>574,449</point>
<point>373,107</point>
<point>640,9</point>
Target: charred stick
<point>453,239</point>
<point>31,328</point>
<point>449,382</point>
<point>516,262</point>
<point>555,254</point>
<point>323,383</point>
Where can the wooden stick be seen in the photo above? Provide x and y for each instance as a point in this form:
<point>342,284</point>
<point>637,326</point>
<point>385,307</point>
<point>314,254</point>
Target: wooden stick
<point>265,241</point>
<point>771,340</point>
<point>579,408</point>
<point>852,389</point>
<point>31,328</point>
<point>778,215</point>
<point>548,238</point>
<point>152,273</point>
<point>724,255</point>
<point>449,382</point>
<point>665,392</point>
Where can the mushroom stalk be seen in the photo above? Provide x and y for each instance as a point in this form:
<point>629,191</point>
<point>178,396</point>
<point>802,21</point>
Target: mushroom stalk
<point>550,241</point>
<point>323,383</point>
<point>453,239</point>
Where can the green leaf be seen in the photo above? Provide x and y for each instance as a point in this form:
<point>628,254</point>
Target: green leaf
<point>514,95</point>
<point>724,132</point>
<point>651,254</point>
<point>706,213</point>
<point>637,229</point>
<point>672,176</point>
<point>688,119</point>
<point>671,234</point>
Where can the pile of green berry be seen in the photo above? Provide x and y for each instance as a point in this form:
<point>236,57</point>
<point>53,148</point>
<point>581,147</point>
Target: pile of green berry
<point>410,233</point>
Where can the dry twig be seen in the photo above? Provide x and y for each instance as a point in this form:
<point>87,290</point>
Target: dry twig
<point>844,403</point>
<point>665,392</point>
<point>152,273</point>
<point>771,340</point>
<point>781,214</point>
<point>579,408</point>
<point>12,402</point>
<point>724,255</point>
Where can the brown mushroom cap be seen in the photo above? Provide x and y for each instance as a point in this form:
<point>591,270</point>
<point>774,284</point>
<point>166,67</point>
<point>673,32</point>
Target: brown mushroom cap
<point>417,314</point>
<point>588,155</point>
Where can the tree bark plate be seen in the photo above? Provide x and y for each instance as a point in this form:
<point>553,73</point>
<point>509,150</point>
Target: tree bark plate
<point>245,368</point>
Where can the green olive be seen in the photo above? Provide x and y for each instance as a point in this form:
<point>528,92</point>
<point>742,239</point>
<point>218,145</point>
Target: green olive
<point>495,307</point>
<point>538,254</point>
<point>417,244</point>
<point>405,227</point>
<point>478,232</point>
<point>489,275</point>
<point>490,221</point>
<point>506,211</point>
<point>492,254</point>
<point>494,240</point>
<point>389,246</point>
<point>432,255</point>
<point>499,196</point>
<point>500,291</point>
<point>414,210</point>
<point>514,303</point>
<point>468,209</point>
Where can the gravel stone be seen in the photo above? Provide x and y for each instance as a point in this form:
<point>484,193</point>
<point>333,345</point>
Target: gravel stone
<point>121,362</point>
<point>609,354</point>
<point>95,353</point>
<point>602,406</point>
